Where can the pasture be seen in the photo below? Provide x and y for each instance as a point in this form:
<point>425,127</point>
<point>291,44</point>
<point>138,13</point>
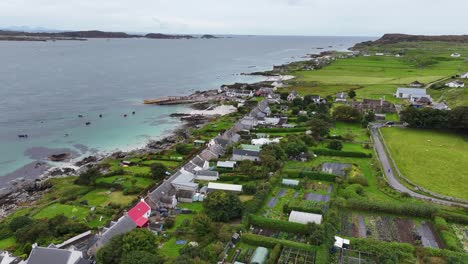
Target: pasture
<point>432,159</point>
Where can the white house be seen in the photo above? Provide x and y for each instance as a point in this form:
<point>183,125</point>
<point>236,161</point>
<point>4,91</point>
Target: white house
<point>455,84</point>
<point>379,54</point>
<point>239,93</point>
<point>464,76</point>
<point>341,97</point>
<point>305,218</point>
<point>412,94</point>
<point>293,95</point>
<point>226,164</point>
<point>456,55</point>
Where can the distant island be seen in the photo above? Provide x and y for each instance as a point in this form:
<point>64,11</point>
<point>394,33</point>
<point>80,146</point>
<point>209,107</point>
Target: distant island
<point>7,35</point>
<point>398,38</point>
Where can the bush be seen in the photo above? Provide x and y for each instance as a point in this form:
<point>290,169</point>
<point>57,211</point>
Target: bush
<point>454,217</point>
<point>288,227</point>
<point>274,254</point>
<point>320,176</point>
<point>352,154</point>
<point>132,190</point>
<point>358,179</point>
<point>335,145</point>
<point>269,242</point>
<point>386,252</point>
<point>169,222</point>
<point>411,209</point>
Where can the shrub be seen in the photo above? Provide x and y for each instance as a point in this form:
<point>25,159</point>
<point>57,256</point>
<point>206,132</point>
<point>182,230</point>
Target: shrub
<point>269,242</point>
<point>169,222</point>
<point>352,154</point>
<point>335,145</point>
<point>358,179</point>
<point>320,176</point>
<point>274,254</point>
<point>386,252</point>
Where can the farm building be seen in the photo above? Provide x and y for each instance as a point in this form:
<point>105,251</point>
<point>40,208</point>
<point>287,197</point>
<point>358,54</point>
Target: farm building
<point>416,84</point>
<point>341,97</point>
<point>212,186</point>
<point>199,142</point>
<point>376,106</point>
<point>304,218</point>
<point>455,55</point>
<point>226,164</point>
<point>464,75</point>
<point>206,175</point>
<point>411,94</point>
<point>240,154</point>
<point>259,256</point>
<point>455,84</point>
<point>290,182</point>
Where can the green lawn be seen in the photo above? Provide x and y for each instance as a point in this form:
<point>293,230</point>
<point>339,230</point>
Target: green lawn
<point>435,160</point>
<point>7,242</point>
<point>170,248</point>
<point>126,181</point>
<point>70,211</point>
<point>359,134</point>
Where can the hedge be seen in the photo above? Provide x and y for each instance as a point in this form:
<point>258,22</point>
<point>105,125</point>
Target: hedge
<point>269,242</point>
<point>412,209</point>
<point>274,254</point>
<point>233,178</point>
<point>449,256</point>
<point>278,225</point>
<point>446,234</point>
<point>338,153</point>
<point>313,210</point>
<point>386,252</point>
<point>454,217</point>
<point>313,175</point>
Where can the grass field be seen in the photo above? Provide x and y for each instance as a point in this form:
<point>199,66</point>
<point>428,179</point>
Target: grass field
<point>126,181</point>
<point>7,242</point>
<point>170,248</point>
<point>435,160</point>
<point>378,76</point>
<point>359,134</point>
<point>69,211</point>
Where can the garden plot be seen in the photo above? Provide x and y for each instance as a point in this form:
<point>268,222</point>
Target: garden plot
<point>335,168</point>
<point>388,228</point>
<point>294,255</point>
<point>462,234</point>
<point>316,197</point>
<point>278,234</point>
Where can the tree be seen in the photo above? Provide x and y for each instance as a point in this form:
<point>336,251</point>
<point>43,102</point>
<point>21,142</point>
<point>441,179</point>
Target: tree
<point>183,149</point>
<point>202,225</point>
<point>458,118</point>
<point>140,240</point>
<point>352,94</point>
<point>19,222</point>
<point>141,257</point>
<point>319,127</point>
<point>367,118</point>
<point>294,146</point>
<point>246,167</point>
<point>347,114</point>
<point>222,206</point>
<point>88,177</point>
<point>335,144</point>
<point>112,252</point>
<point>158,171</point>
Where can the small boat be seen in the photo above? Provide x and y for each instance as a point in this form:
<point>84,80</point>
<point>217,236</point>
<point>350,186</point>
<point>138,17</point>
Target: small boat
<point>100,115</point>
<point>66,135</point>
<point>133,112</point>
<point>80,116</point>
<point>88,123</point>
<point>125,115</point>
<point>23,136</point>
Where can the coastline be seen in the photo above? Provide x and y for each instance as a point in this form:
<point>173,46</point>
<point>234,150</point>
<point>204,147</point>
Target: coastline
<point>35,175</point>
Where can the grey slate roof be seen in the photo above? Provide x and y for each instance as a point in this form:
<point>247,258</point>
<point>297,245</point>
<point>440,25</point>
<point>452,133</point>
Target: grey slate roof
<point>207,173</point>
<point>207,154</point>
<point>412,91</point>
<point>242,152</point>
<point>41,255</point>
<point>198,161</point>
<point>190,167</point>
<point>124,225</point>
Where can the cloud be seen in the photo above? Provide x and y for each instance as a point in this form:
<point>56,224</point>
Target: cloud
<point>279,17</point>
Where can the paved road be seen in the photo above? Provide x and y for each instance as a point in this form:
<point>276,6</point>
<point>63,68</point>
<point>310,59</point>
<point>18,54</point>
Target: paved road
<point>392,180</point>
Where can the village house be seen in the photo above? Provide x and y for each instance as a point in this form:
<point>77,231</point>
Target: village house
<point>7,258</point>
<point>376,106</point>
<point>199,143</point>
<point>226,164</point>
<point>455,55</point>
<point>416,84</point>
<point>412,94</point>
<point>240,154</point>
<point>455,84</point>
<point>440,106</point>
<point>341,97</point>
<point>207,175</point>
<point>239,93</point>
<point>43,255</point>
<point>293,95</point>
<point>464,76</point>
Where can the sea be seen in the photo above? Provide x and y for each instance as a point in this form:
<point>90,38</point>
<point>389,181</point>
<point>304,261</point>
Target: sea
<point>50,90</point>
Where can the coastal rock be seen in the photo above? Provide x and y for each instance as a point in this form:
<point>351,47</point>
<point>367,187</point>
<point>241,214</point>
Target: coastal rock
<point>61,171</point>
<point>119,155</point>
<point>86,160</point>
<point>59,157</point>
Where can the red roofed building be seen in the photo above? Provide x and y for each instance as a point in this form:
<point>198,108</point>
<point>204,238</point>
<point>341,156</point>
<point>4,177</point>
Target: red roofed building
<point>140,213</point>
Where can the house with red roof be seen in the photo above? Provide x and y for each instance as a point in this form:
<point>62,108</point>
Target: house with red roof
<point>140,213</point>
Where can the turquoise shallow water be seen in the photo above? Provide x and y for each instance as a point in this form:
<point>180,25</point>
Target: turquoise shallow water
<point>44,86</point>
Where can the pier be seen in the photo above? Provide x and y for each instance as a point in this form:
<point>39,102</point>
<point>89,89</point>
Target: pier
<point>171,100</point>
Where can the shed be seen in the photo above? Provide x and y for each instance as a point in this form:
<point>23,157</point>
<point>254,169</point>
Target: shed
<point>290,182</point>
<point>226,164</point>
<point>259,256</point>
<point>199,142</point>
<point>304,218</point>
<point>341,242</point>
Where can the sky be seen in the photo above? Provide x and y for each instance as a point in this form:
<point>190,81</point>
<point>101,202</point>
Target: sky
<point>247,17</point>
